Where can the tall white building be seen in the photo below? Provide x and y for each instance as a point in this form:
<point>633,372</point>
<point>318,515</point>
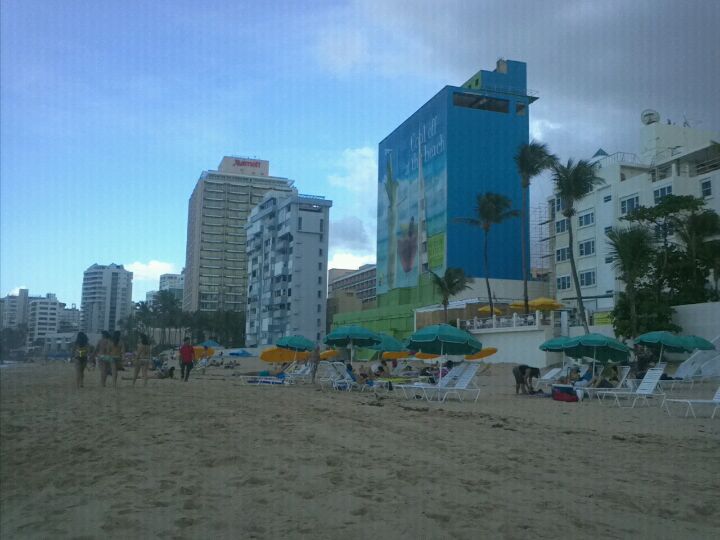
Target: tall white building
<point>215,258</point>
<point>15,309</point>
<point>43,318</point>
<point>287,250</point>
<point>106,297</point>
<point>674,160</point>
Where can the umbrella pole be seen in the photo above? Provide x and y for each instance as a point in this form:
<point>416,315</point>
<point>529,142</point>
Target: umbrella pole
<point>442,347</point>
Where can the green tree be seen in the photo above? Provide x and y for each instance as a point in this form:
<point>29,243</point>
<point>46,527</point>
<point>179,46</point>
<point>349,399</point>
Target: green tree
<point>652,314</point>
<point>490,209</point>
<point>12,338</point>
<point>632,253</point>
<point>531,160</point>
<point>166,309</point>
<point>451,283</point>
<point>696,232</point>
<point>572,183</point>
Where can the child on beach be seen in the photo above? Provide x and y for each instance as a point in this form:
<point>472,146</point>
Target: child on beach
<point>142,359</point>
<point>81,352</point>
<point>187,357</point>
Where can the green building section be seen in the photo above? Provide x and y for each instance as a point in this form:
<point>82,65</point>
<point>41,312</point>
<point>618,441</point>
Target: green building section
<point>394,314</point>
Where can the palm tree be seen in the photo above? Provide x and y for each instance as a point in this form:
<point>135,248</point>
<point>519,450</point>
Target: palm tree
<point>573,182</point>
<point>490,209</point>
<point>632,252</point>
<point>531,160</point>
<point>453,282</point>
<point>695,231</point>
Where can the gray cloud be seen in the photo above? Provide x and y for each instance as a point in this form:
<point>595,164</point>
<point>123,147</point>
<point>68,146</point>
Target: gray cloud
<point>348,234</point>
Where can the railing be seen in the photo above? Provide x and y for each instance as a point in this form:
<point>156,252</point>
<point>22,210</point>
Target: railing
<point>533,320</point>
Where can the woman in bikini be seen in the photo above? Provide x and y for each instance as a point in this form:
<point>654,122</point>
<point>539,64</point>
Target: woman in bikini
<point>81,352</point>
<point>142,359</point>
<point>104,358</point>
<point>117,351</point>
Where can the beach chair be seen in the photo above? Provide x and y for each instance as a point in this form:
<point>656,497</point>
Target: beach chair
<point>462,384</point>
<point>342,380</point>
<point>690,402</point>
<point>550,376</point>
<point>645,389</point>
<point>590,391</point>
<point>299,373</point>
<point>411,390</point>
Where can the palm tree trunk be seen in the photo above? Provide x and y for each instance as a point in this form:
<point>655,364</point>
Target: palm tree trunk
<point>487,278</point>
<point>445,308</point>
<point>630,292</point>
<point>523,241</point>
<point>581,305</point>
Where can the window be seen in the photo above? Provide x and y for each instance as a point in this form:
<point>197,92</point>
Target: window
<point>586,248</point>
<point>559,206</point>
<point>607,198</point>
<point>562,254</point>
<point>706,188</point>
<point>587,219</point>
<point>629,204</point>
<point>587,278</point>
<point>520,109</point>
<point>608,260</point>
<point>659,193</point>
<point>319,308</point>
<point>319,280</point>
<point>485,103</point>
<point>319,266</point>
<point>608,229</point>
<point>289,292</point>
<point>320,252</point>
<point>319,294</point>
<point>318,322</point>
<point>561,226</point>
<point>299,224</point>
<point>563,283</point>
<point>322,225</point>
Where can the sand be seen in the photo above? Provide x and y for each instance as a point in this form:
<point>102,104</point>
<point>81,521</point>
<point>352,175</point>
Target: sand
<point>216,459</point>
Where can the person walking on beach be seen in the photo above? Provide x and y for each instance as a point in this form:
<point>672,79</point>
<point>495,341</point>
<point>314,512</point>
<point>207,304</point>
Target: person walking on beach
<point>117,351</point>
<point>103,356</point>
<point>314,361</point>
<point>143,357</point>
<point>187,356</point>
<point>81,353</point>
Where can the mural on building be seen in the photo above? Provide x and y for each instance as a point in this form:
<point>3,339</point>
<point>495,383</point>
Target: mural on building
<point>412,200</point>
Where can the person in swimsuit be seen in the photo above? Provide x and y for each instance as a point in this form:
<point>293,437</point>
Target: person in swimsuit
<point>81,353</point>
<point>142,359</point>
<point>103,357</point>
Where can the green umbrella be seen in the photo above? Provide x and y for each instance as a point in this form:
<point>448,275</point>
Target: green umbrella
<point>295,343</point>
<point>697,342</point>
<point>598,347</point>
<point>352,336</point>
<point>388,344</point>
<point>443,339</point>
<point>556,344</point>
<point>665,341</point>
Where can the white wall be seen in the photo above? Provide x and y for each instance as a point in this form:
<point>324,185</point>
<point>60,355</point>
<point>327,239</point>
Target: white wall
<point>699,319</point>
<point>519,346</point>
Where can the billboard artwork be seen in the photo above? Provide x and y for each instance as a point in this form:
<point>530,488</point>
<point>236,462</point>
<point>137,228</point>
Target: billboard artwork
<point>412,200</point>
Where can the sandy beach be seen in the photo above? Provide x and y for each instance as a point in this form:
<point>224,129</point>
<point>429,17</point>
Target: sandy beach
<point>216,459</point>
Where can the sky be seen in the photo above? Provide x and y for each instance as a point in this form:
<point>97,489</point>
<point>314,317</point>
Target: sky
<point>110,111</point>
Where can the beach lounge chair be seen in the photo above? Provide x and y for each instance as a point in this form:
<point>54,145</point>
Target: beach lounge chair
<point>646,389</point>
<point>462,384</point>
<point>550,376</point>
<point>412,390</point>
<point>690,402</point>
<point>624,370</point>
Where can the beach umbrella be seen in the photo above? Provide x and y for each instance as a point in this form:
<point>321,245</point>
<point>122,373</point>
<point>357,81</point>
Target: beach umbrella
<point>330,353</point>
<point>443,339</point>
<point>388,344</point>
<point>482,354</point>
<point>697,342</point>
<point>544,304</point>
<point>279,355</point>
<point>517,306</point>
<point>351,336</point>
<point>395,355</point>
<point>556,344</point>
<point>486,310</point>
<point>295,343</point>
<point>209,343</point>
<point>599,347</point>
<point>663,340</point>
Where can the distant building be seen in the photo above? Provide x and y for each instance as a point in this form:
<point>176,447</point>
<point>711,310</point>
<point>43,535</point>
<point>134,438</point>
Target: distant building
<point>43,318</point>
<point>360,282</point>
<point>150,298</point>
<point>15,309</point>
<point>106,297</point>
<point>171,281</point>
<point>215,259</point>
<point>69,319</point>
<point>287,239</point>
<point>674,160</point>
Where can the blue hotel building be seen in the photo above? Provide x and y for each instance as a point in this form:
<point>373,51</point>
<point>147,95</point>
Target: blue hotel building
<point>461,143</point>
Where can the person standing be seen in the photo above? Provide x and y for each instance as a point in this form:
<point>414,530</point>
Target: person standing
<point>142,359</point>
<point>81,352</point>
<point>117,351</point>
<point>103,357</point>
<point>187,356</point>
<point>314,362</point>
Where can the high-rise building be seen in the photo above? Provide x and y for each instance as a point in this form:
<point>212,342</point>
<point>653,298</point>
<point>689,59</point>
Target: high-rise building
<point>106,297</point>
<point>674,159</point>
<point>287,250</point>
<point>360,282</point>
<point>69,319</point>
<point>215,258</point>
<point>43,318</point>
<point>459,145</point>
<point>15,309</point>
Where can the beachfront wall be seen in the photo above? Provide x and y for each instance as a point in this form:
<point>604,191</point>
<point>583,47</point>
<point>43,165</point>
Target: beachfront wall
<point>519,346</point>
<point>699,319</point>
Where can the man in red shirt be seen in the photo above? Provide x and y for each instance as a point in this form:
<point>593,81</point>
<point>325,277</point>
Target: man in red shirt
<point>187,356</point>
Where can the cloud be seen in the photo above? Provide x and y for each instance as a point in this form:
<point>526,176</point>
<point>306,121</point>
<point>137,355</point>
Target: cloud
<point>350,260</point>
<point>342,51</point>
<point>16,290</point>
<point>360,171</point>
<point>349,233</point>
<point>150,271</point>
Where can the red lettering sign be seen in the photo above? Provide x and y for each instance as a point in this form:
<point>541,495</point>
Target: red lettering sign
<point>242,163</point>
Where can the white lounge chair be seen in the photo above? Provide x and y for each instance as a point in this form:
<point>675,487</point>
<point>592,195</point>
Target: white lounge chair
<point>690,402</point>
<point>550,376</point>
<point>462,384</point>
<point>646,388</point>
<point>590,391</point>
<point>411,390</point>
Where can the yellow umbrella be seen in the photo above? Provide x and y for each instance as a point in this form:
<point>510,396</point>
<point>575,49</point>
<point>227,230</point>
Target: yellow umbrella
<point>486,309</point>
<point>330,353</point>
<point>279,355</point>
<point>482,354</point>
<point>517,305</point>
<point>202,352</point>
<point>426,356</point>
<point>545,304</point>
<point>395,355</point>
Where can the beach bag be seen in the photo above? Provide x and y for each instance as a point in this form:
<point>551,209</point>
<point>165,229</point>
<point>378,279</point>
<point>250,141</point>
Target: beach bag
<point>563,394</point>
